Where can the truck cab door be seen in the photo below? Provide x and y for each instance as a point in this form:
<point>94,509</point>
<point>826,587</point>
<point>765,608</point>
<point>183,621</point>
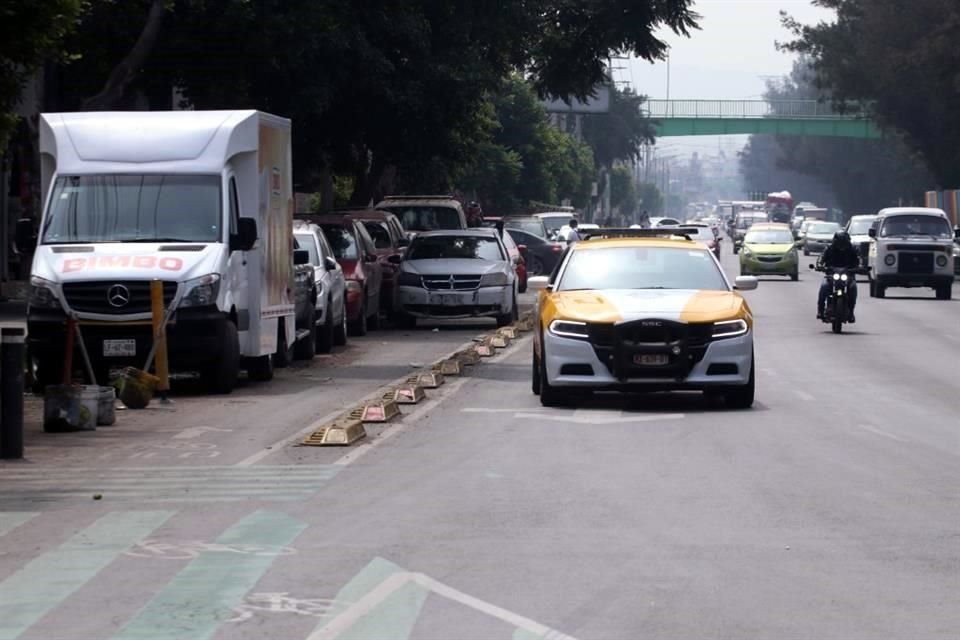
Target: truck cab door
<point>236,273</point>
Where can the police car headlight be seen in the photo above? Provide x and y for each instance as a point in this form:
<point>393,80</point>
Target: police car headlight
<point>43,294</point>
<point>942,261</point>
<point>569,329</point>
<point>730,328</point>
<point>890,260</point>
<point>201,292</point>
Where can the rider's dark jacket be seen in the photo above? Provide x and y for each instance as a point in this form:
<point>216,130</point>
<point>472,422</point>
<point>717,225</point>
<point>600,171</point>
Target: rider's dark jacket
<point>840,256</point>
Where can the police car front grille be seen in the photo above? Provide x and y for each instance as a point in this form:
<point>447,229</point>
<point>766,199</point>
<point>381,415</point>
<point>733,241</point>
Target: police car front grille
<point>96,296</point>
<point>451,282</point>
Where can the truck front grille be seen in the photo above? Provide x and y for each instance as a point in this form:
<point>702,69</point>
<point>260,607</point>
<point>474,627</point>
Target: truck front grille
<point>114,297</point>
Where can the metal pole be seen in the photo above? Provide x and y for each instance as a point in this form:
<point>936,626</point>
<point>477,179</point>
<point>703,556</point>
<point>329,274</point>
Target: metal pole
<point>160,336</point>
<point>12,345</point>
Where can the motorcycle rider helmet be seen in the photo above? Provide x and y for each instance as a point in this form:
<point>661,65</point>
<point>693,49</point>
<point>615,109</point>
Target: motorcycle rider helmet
<point>841,238</point>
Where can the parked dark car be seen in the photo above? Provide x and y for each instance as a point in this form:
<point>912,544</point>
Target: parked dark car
<point>389,240</point>
<point>357,255</point>
<point>542,254</point>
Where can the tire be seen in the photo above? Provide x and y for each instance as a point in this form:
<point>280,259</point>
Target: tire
<point>881,290</point>
<point>795,276</point>
<point>260,369</point>
<point>945,292</point>
<point>839,315</point>
<point>326,337</point>
<point>284,355</point>
<point>307,348</point>
<point>549,396</point>
<point>406,321</point>
<point>535,374</point>
<point>535,266</point>
<point>222,377</point>
<point>806,253</point>
<point>873,288</point>
<point>742,397</point>
<point>340,331</point>
<point>506,318</point>
<point>374,321</point>
<point>359,326</point>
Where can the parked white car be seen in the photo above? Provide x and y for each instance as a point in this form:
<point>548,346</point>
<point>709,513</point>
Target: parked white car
<point>331,285</point>
<point>458,274</point>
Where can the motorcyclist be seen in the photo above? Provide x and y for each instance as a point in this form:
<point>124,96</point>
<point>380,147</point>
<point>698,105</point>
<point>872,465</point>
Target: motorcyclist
<point>841,254</point>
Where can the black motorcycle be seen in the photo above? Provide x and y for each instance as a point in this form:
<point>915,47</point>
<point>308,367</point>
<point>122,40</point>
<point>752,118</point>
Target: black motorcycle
<point>836,313</point>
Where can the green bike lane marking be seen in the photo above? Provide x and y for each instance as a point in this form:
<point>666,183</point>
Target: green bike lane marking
<point>10,520</point>
<point>47,580</point>
<point>203,594</point>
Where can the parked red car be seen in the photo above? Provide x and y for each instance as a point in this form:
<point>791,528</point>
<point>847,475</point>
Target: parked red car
<point>517,252</point>
<point>389,240</point>
<point>357,255</point>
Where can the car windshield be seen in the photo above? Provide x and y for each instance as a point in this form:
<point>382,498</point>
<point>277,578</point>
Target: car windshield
<point>306,242</point>
<point>532,226</point>
<point>427,218</point>
<point>860,227</point>
<point>446,247</point>
<point>769,237</point>
<point>641,268</point>
<point>823,228</point>
<point>134,208</point>
<point>378,231</point>
<point>916,225</point>
<point>704,234</point>
<point>554,223</point>
<point>343,243</point>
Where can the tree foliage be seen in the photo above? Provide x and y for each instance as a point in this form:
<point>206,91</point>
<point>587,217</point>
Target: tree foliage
<point>903,61</point>
<point>619,134</point>
<point>30,33</point>
<point>857,175</point>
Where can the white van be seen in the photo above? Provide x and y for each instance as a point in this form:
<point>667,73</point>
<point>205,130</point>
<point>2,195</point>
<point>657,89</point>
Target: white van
<point>200,200</point>
<point>911,247</point>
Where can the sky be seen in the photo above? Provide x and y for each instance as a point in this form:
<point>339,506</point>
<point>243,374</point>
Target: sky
<point>731,57</point>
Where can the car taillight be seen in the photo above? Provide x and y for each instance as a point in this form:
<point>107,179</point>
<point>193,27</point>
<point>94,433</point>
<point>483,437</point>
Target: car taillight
<point>556,248</point>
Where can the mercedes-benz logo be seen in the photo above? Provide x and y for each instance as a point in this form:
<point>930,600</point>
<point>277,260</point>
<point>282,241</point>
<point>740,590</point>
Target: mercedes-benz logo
<point>118,296</point>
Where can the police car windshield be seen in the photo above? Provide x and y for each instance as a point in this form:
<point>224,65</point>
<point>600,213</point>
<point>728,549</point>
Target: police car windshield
<point>641,267</point>
<point>916,225</point>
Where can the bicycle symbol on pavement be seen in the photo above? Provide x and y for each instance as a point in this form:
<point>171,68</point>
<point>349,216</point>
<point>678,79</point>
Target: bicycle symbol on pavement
<point>282,602</point>
<point>192,549</point>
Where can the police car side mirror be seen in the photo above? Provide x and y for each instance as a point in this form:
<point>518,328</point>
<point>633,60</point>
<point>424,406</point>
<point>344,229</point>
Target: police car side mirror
<point>745,283</point>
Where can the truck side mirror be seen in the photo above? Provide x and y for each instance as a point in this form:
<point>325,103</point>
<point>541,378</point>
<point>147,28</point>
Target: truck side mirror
<point>301,256</point>
<point>956,233</point>
<point>403,242</point>
<point>24,239</point>
<point>246,238</point>
<point>872,232</point>
<point>330,264</point>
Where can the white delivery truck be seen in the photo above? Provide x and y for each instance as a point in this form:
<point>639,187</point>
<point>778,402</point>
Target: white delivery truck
<point>200,200</point>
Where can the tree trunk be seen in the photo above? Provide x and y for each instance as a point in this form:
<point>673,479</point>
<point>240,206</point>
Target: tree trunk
<point>326,189</point>
<point>125,72</point>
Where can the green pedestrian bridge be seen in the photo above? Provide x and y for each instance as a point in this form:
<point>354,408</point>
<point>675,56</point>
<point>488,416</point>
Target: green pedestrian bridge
<point>738,117</point>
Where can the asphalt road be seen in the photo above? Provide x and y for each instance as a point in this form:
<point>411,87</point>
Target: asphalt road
<point>830,510</point>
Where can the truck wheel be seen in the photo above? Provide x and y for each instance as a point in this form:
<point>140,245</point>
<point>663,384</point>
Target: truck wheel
<point>340,332</point>
<point>945,292</point>
<point>881,290</point>
<point>284,354</point>
<point>359,326</point>
<point>260,369</point>
<point>326,337</point>
<point>306,348</point>
<point>222,376</point>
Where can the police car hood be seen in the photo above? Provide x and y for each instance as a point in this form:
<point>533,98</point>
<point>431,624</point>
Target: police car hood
<point>126,261</point>
<point>623,305</point>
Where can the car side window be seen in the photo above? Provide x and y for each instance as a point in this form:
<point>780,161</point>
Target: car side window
<point>234,208</point>
<point>365,239</point>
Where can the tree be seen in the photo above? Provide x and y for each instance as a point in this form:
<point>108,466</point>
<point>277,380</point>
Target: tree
<point>649,198</point>
<point>903,63</point>
<point>30,32</point>
<point>855,174</point>
<point>619,134</point>
<point>623,190</point>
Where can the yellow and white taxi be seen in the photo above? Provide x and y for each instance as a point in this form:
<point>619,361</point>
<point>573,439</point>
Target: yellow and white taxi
<point>642,310</point>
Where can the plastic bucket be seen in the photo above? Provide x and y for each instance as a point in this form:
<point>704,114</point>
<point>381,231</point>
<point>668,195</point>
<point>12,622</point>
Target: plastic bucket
<point>106,415</point>
<point>70,408</point>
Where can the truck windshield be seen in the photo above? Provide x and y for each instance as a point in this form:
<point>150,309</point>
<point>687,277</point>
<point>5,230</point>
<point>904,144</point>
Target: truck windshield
<point>916,225</point>
<point>134,208</point>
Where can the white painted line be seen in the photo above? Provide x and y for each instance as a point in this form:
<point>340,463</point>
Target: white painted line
<point>492,410</point>
<point>803,395</point>
<point>881,433</point>
<point>600,420</point>
<point>375,395</point>
<point>406,422</point>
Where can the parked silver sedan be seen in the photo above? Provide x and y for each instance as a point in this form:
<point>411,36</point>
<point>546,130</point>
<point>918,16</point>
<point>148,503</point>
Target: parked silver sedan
<point>458,274</point>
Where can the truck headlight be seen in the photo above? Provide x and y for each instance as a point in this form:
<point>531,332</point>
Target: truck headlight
<point>201,292</point>
<point>890,259</point>
<point>730,328</point>
<point>942,261</point>
<point>408,279</point>
<point>494,280</point>
<point>569,329</point>
<point>43,294</point>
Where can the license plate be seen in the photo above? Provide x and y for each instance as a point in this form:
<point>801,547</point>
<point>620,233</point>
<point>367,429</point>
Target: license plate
<point>119,348</point>
<point>446,300</point>
<point>651,359</point>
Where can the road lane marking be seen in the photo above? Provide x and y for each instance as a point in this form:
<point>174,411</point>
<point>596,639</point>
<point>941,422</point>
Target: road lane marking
<point>600,420</point>
<point>10,520</point>
<point>207,591</point>
<point>494,410</point>
<point>196,432</point>
<point>803,395</point>
<point>881,433</point>
<point>406,422</point>
<point>47,580</point>
<point>367,613</point>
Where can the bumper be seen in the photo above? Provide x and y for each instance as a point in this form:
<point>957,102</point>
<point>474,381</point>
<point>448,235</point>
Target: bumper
<point>482,302</point>
<point>354,304</point>
<point>564,356</point>
<point>194,338</point>
<point>784,265</point>
<point>909,281</point>
<point>815,246</point>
